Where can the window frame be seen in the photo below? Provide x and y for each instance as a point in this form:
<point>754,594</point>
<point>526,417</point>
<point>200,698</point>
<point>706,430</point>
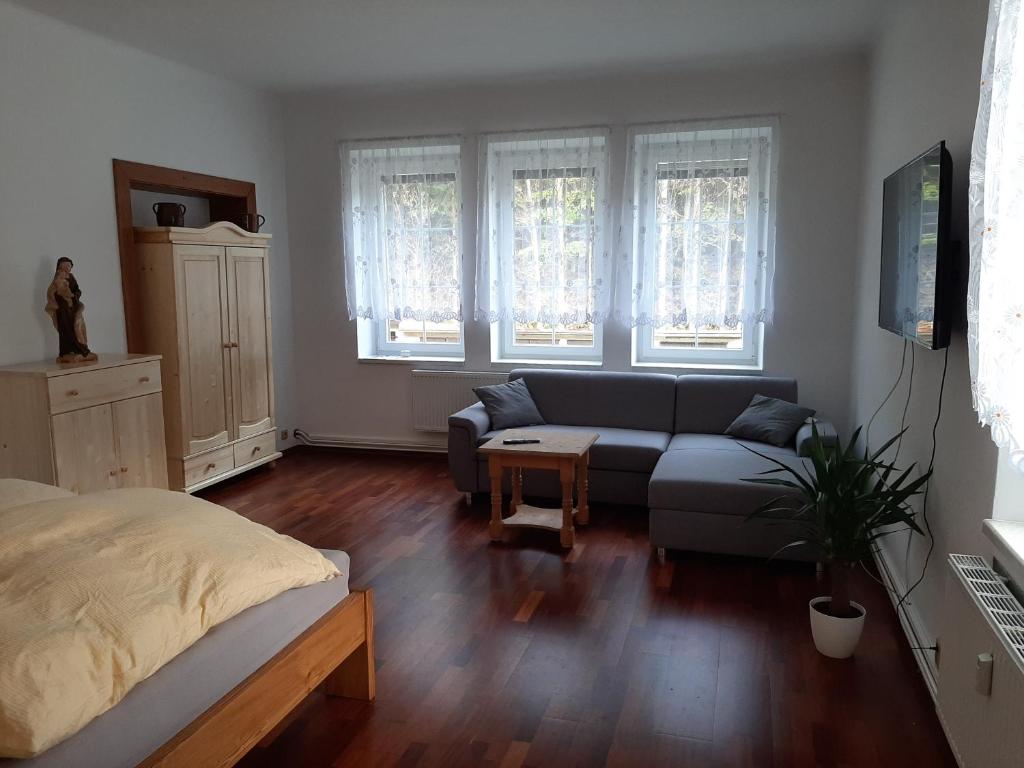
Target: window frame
<point>503,346</point>
<point>644,353</point>
<point>373,333</point>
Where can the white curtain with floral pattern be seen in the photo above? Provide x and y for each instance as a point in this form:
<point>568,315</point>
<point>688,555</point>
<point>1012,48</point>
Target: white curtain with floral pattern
<point>543,251</point>
<point>401,224</point>
<point>696,243</point>
<point>995,298</point>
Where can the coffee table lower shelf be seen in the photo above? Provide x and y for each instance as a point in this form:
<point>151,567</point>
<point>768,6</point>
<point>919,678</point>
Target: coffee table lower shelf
<point>528,516</point>
<point>539,518</point>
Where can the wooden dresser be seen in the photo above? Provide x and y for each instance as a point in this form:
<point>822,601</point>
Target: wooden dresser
<point>205,297</point>
<point>84,426</point>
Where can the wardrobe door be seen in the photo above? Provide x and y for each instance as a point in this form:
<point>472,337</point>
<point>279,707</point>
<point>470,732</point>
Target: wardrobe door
<point>139,430</point>
<point>204,349</point>
<point>84,449</point>
<point>249,300</point>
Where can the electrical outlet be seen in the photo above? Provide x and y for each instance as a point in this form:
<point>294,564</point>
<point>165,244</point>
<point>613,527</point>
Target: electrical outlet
<point>284,434</point>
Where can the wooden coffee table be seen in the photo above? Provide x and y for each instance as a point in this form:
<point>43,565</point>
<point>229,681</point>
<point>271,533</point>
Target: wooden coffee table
<point>568,453</point>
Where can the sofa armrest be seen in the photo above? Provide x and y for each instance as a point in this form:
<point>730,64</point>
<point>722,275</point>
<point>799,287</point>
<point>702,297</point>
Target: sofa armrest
<point>465,429</point>
<point>826,431</point>
<point>473,419</point>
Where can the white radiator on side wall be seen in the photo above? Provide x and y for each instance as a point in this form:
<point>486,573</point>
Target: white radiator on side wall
<point>438,394</point>
<point>981,667</point>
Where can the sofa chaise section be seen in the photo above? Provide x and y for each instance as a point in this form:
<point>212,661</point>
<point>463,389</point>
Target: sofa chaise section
<point>698,497</point>
<point>699,500</point>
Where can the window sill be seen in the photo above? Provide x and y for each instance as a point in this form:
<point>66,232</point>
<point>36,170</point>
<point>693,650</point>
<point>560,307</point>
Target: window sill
<point>511,362</point>
<point>748,367</point>
<point>411,359</point>
<point>1007,538</point>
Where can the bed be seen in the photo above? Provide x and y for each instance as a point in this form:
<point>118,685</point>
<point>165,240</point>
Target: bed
<point>227,691</point>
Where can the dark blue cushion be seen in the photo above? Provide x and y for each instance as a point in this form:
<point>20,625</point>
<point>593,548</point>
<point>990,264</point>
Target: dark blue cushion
<point>509,405</point>
<point>769,420</point>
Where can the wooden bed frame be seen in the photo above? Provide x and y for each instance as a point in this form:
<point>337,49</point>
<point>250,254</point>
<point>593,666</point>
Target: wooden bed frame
<point>337,651</point>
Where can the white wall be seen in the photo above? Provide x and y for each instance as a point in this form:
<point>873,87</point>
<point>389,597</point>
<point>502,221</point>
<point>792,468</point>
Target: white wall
<point>924,87</point>
<point>70,102</point>
<point>821,107</point>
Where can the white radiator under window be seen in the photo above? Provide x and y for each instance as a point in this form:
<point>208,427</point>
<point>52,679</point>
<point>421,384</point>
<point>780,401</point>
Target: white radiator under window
<point>981,667</point>
<point>438,394</point>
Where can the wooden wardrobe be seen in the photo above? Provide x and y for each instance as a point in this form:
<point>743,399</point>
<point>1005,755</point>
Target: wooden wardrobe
<point>205,306</point>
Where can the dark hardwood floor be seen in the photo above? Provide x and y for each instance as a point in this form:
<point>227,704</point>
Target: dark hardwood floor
<point>517,654</point>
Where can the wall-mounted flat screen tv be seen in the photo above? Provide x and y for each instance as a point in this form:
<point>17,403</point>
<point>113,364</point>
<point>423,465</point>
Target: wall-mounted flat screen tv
<point>914,293</point>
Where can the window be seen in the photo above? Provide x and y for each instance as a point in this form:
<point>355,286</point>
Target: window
<point>544,222</point>
<point>701,208</point>
<point>403,247</point>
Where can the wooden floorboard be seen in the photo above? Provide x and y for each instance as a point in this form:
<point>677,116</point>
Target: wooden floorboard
<point>518,654</point>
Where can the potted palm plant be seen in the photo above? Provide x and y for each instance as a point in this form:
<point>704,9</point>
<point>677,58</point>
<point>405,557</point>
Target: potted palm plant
<point>844,502</point>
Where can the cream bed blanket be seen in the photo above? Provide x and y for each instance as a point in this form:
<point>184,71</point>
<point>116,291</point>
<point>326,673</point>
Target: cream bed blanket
<point>99,591</point>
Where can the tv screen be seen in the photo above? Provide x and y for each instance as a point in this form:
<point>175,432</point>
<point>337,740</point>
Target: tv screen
<point>914,291</point>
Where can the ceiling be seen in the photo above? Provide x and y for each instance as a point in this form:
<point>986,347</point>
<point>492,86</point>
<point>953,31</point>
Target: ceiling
<point>284,45</point>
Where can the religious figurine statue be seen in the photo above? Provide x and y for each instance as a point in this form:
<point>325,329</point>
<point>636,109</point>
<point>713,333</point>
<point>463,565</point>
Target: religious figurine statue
<point>64,306</point>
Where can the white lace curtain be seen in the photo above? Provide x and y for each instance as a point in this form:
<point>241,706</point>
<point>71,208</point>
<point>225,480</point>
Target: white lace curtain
<point>543,220</point>
<point>401,229</point>
<point>995,298</point>
<point>695,243</point>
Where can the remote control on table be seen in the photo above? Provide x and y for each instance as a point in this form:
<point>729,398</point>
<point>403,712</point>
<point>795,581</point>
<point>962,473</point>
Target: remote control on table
<point>520,440</point>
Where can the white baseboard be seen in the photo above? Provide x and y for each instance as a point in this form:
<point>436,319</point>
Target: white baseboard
<point>369,443</point>
<point>910,620</point>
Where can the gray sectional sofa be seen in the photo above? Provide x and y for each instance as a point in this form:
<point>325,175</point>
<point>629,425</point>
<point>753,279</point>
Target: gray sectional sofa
<point>662,445</point>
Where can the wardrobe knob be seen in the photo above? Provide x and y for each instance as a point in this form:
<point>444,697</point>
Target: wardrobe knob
<point>72,393</point>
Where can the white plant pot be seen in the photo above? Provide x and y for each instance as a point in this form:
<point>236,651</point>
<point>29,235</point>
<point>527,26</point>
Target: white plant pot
<point>835,637</point>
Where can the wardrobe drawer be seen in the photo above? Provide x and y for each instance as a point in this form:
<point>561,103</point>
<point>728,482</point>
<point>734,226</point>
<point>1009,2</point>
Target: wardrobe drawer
<point>254,448</point>
<point>86,388</point>
<point>207,465</point>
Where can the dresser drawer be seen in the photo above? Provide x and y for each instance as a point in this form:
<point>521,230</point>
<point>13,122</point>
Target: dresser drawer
<point>254,448</point>
<point>200,468</point>
<point>86,388</point>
